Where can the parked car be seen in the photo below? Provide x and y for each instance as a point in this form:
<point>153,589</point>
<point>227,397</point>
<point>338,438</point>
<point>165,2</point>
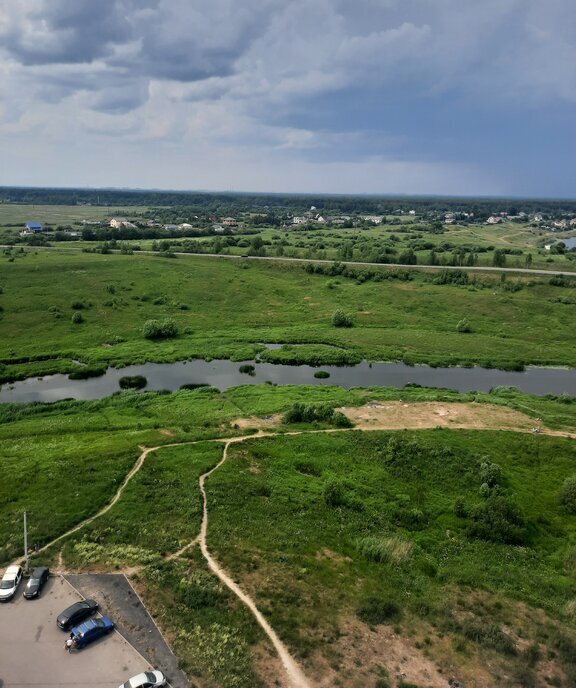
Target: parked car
<point>147,679</point>
<point>91,630</point>
<point>76,613</point>
<point>36,582</point>
<point>9,583</point>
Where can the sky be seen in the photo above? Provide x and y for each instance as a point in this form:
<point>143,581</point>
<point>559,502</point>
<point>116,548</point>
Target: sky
<point>452,97</point>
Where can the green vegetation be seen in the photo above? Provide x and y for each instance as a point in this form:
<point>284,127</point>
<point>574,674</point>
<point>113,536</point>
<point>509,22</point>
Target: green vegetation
<point>154,329</point>
<point>133,382</point>
<point>320,528</point>
<point>239,305</point>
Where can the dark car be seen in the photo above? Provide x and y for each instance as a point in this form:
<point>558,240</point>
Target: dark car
<point>36,582</point>
<point>90,631</point>
<point>76,613</point>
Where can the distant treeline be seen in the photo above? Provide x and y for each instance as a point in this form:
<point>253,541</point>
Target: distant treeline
<point>219,203</point>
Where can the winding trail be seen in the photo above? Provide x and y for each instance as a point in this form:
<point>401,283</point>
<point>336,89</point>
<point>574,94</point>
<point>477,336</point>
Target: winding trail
<point>294,674</point>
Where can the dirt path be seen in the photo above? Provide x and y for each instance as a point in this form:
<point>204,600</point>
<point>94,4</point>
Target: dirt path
<point>295,675</point>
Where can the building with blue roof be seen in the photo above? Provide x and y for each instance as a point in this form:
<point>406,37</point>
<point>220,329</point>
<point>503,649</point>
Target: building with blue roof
<point>32,228</point>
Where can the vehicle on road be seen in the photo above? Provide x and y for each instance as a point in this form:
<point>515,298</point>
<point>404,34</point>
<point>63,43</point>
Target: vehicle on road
<point>9,583</point>
<point>147,679</point>
<point>76,613</point>
<point>91,630</point>
<point>36,582</point>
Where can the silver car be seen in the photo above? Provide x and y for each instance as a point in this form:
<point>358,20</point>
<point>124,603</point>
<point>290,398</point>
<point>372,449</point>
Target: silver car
<point>9,583</point>
<point>147,679</point>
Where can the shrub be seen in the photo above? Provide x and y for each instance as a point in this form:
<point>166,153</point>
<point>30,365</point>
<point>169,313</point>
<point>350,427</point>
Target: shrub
<point>133,382</point>
<point>77,305</point>
<point>334,493</point>
<point>464,326</point>
<point>375,610</point>
<point>321,374</point>
<point>77,318</point>
<point>498,520</point>
<point>311,413</point>
<point>489,635</point>
<point>567,494</point>
<point>341,319</point>
<point>490,473</point>
<point>247,368</point>
<point>156,329</point>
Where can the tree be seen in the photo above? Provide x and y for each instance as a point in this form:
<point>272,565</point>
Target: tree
<point>499,258</point>
<point>528,260</point>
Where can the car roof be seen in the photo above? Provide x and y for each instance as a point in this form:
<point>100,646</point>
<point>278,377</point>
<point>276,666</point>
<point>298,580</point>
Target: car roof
<point>12,570</point>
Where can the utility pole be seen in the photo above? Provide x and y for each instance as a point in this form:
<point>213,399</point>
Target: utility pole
<point>25,544</point>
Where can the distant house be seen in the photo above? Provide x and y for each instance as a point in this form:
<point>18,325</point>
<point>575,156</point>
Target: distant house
<point>299,220</point>
<point>32,228</point>
<point>230,222</point>
<point>493,220</point>
<point>170,228</point>
<point>185,225</point>
<point>117,222</point>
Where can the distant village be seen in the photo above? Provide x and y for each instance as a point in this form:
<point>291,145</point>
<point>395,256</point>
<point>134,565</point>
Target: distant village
<point>310,219</point>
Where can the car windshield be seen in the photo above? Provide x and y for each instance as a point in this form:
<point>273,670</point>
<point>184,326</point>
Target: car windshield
<point>150,677</point>
<point>6,584</point>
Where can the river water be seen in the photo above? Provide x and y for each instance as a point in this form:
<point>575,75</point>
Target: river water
<point>224,374</point>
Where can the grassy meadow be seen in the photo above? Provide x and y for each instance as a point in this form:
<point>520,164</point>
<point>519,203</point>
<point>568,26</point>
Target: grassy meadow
<point>227,309</point>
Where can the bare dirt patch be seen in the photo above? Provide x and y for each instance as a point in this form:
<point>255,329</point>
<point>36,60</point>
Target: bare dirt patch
<point>363,652</point>
<point>396,415</point>
<point>258,422</point>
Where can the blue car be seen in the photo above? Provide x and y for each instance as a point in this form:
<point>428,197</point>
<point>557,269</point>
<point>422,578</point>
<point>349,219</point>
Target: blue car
<point>91,630</point>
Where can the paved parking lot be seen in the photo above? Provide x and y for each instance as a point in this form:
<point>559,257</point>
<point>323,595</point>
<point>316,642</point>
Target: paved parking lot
<point>32,650</point>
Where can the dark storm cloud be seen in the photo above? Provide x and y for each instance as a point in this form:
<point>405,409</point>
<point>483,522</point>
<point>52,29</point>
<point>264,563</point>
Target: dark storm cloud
<point>67,32</point>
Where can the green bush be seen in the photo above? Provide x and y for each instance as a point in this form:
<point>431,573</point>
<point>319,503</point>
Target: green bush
<point>490,473</point>
<point>321,374</point>
<point>334,493</point>
<point>567,494</point>
<point>77,318</point>
<point>498,520</point>
<point>464,326</point>
<point>156,329</point>
<point>375,610</point>
<point>341,319</point>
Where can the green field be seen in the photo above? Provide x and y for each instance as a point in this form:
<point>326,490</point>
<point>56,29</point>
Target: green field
<point>226,310</point>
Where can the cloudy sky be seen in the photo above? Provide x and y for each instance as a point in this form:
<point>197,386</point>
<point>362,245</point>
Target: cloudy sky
<point>342,96</point>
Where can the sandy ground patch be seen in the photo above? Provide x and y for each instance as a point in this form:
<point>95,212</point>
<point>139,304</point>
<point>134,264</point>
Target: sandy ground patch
<point>362,651</point>
<point>396,415</point>
<point>258,422</point>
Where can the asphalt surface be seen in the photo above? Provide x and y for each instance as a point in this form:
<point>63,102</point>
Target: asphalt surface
<point>119,601</point>
<point>32,653</point>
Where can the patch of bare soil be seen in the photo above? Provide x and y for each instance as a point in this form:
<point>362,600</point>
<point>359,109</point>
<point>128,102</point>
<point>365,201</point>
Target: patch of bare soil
<point>258,422</point>
<point>361,653</point>
<point>396,415</point>
<point>166,432</point>
<point>326,553</point>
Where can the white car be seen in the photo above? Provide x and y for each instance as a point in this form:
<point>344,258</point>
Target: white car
<point>148,679</point>
<point>9,583</point>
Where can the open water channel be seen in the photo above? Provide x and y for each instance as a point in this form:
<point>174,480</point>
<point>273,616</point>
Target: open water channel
<point>224,374</point>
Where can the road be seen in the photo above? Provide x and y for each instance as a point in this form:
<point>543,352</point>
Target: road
<point>316,261</point>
